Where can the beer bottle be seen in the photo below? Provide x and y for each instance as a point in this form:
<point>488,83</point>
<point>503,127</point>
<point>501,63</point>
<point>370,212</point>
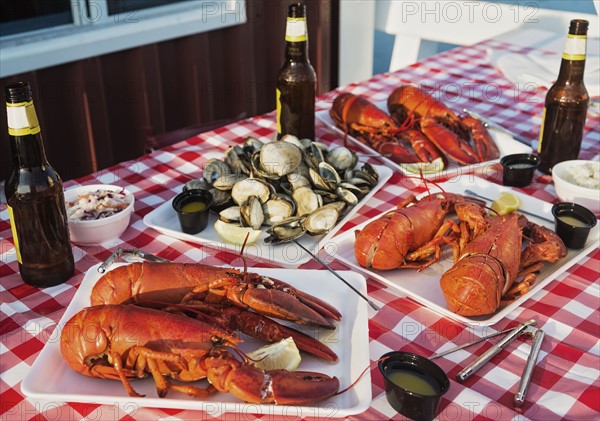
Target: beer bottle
<point>565,110</point>
<point>296,81</point>
<point>34,193</point>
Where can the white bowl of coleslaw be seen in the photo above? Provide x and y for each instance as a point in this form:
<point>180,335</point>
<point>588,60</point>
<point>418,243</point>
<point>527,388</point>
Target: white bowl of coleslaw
<point>98,213</point>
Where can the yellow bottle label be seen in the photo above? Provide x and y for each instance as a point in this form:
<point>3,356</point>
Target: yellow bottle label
<point>539,149</point>
<point>22,119</point>
<point>13,228</point>
<point>575,47</point>
<point>295,30</point>
<point>278,108</point>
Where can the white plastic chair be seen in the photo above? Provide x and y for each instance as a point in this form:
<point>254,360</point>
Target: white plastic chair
<point>463,22</point>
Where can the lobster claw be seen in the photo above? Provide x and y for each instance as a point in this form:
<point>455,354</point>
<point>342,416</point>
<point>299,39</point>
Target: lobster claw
<point>449,142</point>
<point>262,327</point>
<point>287,304</point>
<point>281,387</point>
<point>484,143</point>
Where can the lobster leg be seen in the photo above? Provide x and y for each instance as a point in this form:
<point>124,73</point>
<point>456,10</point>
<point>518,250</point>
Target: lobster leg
<point>118,368</point>
<point>443,235</point>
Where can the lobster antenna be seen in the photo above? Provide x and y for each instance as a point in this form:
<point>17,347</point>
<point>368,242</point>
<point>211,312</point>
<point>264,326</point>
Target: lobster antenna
<point>242,254</point>
<point>358,378</point>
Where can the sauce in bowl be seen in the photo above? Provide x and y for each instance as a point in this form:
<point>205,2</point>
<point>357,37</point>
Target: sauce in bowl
<point>195,206</point>
<point>406,377</point>
<point>571,220</point>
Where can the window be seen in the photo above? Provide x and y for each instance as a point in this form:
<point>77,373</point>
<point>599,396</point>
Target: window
<point>40,33</point>
<point>28,15</point>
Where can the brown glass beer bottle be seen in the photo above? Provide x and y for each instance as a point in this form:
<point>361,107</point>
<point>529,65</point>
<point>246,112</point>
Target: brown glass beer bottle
<point>565,110</point>
<point>296,81</point>
<point>34,193</point>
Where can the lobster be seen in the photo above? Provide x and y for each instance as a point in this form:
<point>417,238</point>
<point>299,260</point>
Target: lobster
<point>124,342</point>
<point>223,296</point>
<point>484,275</point>
<point>371,125</point>
<point>407,235</point>
<point>462,138</point>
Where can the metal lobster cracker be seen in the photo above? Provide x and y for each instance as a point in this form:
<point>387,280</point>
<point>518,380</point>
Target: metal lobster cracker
<point>527,328</point>
<point>134,252</point>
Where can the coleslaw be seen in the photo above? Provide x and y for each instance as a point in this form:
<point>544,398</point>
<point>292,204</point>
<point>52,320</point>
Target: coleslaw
<point>97,205</point>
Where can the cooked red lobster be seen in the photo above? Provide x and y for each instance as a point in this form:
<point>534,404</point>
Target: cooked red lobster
<point>488,266</point>
<point>363,120</point>
<point>408,236</point>
<point>222,295</point>
<point>461,138</point>
<point>124,342</point>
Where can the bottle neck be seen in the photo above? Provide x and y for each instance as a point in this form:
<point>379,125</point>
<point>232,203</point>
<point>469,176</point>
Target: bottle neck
<point>26,143</point>
<point>573,59</point>
<point>296,37</point>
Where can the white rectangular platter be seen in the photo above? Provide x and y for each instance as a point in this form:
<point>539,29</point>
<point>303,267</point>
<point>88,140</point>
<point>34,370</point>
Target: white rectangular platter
<point>164,220</point>
<point>506,145</point>
<point>51,379</point>
<point>424,287</point>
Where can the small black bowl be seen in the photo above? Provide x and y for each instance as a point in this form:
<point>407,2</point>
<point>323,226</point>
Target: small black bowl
<point>518,169</point>
<point>193,208</point>
<point>414,385</point>
<point>572,223</point>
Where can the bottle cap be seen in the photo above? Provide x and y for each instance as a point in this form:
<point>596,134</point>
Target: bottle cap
<point>296,10</point>
<point>17,92</point>
<point>579,27</point>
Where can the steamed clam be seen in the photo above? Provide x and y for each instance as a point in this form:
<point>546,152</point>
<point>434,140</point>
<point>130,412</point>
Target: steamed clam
<point>294,186</point>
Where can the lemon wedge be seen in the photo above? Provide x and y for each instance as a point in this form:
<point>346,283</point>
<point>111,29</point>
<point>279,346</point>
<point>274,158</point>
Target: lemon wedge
<point>432,167</point>
<point>506,203</point>
<point>234,234</point>
<point>282,355</point>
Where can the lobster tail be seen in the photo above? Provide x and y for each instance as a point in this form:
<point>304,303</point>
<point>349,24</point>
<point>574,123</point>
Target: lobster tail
<point>474,287</point>
<point>486,269</point>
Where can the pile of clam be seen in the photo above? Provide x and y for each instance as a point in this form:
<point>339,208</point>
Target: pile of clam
<point>293,186</point>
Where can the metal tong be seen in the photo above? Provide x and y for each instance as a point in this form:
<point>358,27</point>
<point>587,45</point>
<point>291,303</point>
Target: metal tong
<point>134,252</point>
<point>527,328</point>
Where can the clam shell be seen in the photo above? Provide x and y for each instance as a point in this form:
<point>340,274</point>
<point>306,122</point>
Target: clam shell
<point>227,181</point>
<point>321,221</point>
<point>341,158</point>
<point>277,210</point>
<point>242,190</point>
<point>306,200</point>
<point>251,213</point>
<point>287,230</point>
<point>230,214</point>
<point>215,168</point>
<point>280,158</point>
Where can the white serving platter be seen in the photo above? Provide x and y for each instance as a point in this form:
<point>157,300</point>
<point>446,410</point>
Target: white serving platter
<point>506,145</point>
<point>424,286</point>
<point>51,379</point>
<point>164,220</point>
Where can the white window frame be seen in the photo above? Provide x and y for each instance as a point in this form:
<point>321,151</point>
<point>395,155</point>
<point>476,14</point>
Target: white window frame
<point>100,33</point>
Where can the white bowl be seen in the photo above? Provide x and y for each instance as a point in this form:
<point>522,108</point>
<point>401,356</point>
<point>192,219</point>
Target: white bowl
<point>97,231</point>
<point>567,191</point>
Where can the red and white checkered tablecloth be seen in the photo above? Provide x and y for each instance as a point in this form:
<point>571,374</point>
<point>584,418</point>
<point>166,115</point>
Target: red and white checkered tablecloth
<point>565,384</point>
